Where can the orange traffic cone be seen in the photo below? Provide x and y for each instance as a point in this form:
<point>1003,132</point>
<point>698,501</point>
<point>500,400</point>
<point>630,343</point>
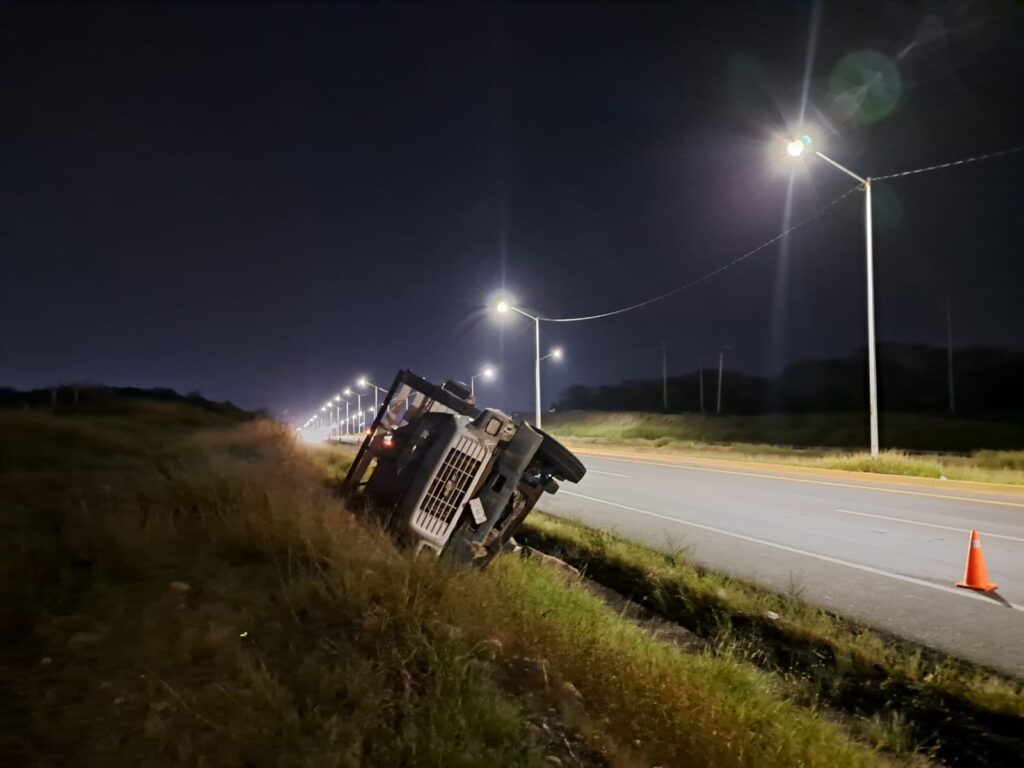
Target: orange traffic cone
<point>975,574</point>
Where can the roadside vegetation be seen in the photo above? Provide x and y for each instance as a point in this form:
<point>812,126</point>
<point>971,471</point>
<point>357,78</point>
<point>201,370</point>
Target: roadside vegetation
<point>908,693</point>
<point>805,440</point>
<point>181,588</point>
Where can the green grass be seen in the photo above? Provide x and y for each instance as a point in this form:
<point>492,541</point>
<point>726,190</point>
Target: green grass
<point>840,430</point>
<point>332,459</point>
<point>730,437</point>
<point>735,614</point>
<point>307,638</point>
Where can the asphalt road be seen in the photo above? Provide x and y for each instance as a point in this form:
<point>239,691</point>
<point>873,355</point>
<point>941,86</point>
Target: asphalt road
<point>886,554</point>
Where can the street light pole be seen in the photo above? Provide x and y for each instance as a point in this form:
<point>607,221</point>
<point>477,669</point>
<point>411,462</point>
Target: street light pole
<point>364,382</point>
<point>487,373</point>
<point>536,372</point>
<point>503,307</point>
<point>796,148</point>
<point>872,365</point>
<point>337,399</point>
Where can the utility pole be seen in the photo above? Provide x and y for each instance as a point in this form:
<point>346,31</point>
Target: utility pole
<point>664,379</point>
<point>701,377</point>
<point>721,362</point>
<point>949,352</point>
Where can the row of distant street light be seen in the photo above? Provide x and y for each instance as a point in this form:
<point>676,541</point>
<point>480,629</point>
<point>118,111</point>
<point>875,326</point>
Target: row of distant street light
<point>330,417</point>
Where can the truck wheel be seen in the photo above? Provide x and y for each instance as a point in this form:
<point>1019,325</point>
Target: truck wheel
<point>560,460</point>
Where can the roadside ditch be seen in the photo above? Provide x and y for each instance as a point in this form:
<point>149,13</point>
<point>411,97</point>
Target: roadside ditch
<point>951,729</point>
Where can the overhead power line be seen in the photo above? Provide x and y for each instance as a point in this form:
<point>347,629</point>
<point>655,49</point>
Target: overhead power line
<point>708,275</point>
<point>940,166</point>
<point>748,254</point>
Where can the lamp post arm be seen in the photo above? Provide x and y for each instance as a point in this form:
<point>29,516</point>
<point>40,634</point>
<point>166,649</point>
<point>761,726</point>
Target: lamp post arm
<point>842,168</point>
<point>524,314</point>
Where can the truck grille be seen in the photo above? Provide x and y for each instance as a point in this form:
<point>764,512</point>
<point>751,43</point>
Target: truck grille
<point>439,508</point>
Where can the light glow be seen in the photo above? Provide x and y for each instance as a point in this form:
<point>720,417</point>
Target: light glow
<point>557,353</point>
<point>796,147</point>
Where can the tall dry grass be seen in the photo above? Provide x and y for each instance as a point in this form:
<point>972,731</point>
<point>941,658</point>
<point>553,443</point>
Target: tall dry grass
<point>198,597</point>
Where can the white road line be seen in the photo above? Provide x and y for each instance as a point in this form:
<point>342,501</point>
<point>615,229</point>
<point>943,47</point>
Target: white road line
<point>600,472</point>
<point>930,525</point>
<point>825,558</point>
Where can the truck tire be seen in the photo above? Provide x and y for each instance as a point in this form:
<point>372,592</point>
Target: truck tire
<point>560,460</point>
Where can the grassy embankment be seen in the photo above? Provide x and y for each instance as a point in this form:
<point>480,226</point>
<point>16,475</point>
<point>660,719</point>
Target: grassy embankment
<point>182,589</point>
<point>811,440</point>
<point>957,709</point>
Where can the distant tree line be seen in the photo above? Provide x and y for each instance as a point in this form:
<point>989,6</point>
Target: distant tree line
<point>93,396</point>
<point>989,382</point>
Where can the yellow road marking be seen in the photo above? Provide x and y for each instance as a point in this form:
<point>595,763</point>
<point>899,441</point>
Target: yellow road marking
<point>784,478</point>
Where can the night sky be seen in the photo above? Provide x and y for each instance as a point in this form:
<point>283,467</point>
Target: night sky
<point>262,202</point>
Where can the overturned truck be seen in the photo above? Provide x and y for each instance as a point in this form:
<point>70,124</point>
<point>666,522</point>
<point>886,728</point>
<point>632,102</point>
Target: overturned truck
<point>451,478</point>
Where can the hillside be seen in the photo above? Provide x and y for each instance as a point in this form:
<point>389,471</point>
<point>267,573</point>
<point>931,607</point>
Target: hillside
<point>182,589</point>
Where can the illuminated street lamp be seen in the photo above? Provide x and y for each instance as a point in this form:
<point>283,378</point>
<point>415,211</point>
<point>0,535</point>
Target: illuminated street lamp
<point>335,407</point>
<point>364,382</point>
<point>555,353</point>
<point>503,307</point>
<point>796,148</point>
<point>341,396</point>
<point>329,405</point>
<point>487,372</point>
<point>359,399</point>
